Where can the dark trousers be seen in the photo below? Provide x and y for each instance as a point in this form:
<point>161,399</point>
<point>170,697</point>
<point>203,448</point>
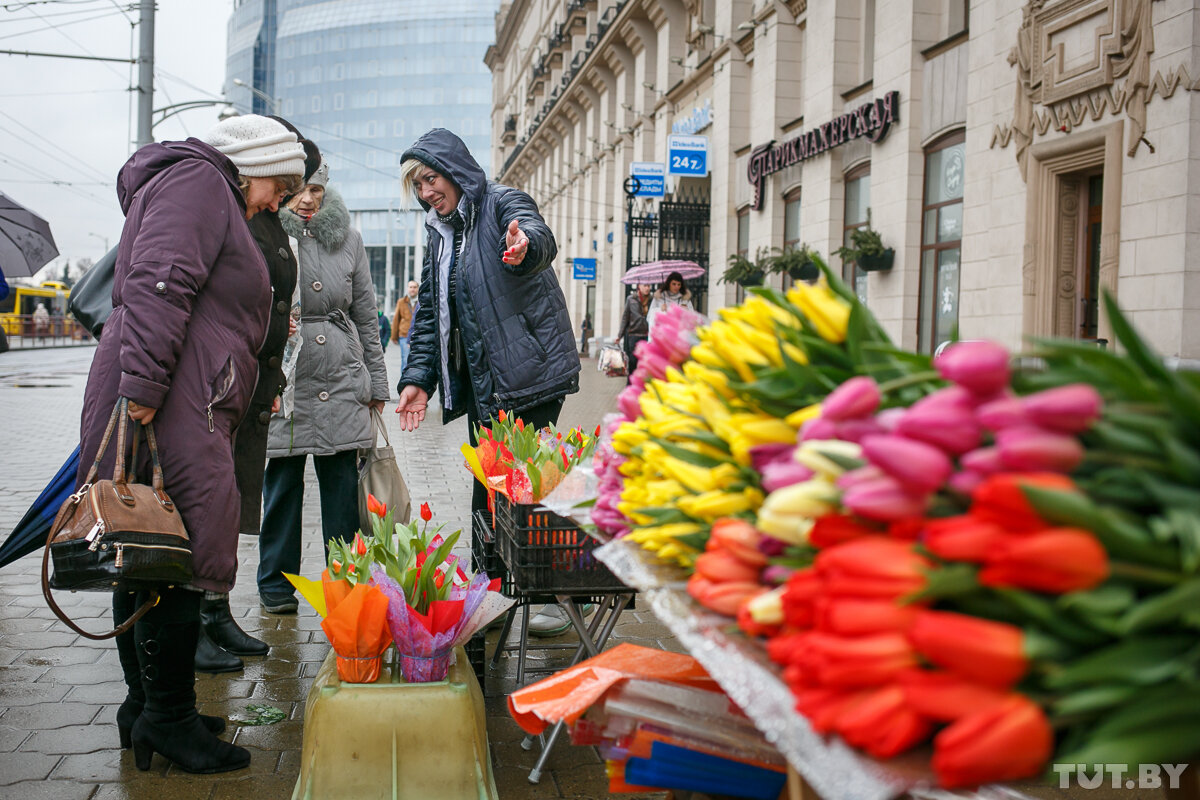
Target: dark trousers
<point>631,342</point>
<point>279,543</point>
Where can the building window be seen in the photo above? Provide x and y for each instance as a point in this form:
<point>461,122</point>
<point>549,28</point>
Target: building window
<point>857,215</point>
<point>1089,285</point>
<point>337,72</point>
<point>316,104</point>
<point>371,158</point>
<point>867,70</point>
<point>339,101</point>
<point>791,229</point>
<point>371,129</point>
<point>743,245</point>
<point>957,16</point>
<point>941,241</point>
<point>398,127</point>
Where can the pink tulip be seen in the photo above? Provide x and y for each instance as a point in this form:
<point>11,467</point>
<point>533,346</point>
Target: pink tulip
<point>889,418</point>
<point>855,430</point>
<point>965,482</point>
<point>854,477</point>
<point>919,466</point>
<point>763,454</point>
<point>779,474</point>
<point>883,499</point>
<point>1002,413</point>
<point>947,425</point>
<point>948,397</point>
<point>1070,409</point>
<point>627,401</point>
<point>817,428</point>
<point>854,399</point>
<point>1030,449</point>
<point>981,367</point>
<point>776,574</point>
<point>985,460</point>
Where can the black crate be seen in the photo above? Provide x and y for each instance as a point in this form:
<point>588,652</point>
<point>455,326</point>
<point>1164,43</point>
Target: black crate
<point>476,648</point>
<point>484,549</point>
<point>549,554</point>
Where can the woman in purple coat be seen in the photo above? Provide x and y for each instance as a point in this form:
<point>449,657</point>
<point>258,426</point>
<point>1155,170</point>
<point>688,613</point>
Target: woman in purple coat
<point>191,299</point>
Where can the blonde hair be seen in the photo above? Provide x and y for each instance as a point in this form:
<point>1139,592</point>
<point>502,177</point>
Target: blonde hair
<point>409,171</point>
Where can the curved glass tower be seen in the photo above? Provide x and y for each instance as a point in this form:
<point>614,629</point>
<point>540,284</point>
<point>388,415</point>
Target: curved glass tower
<point>363,79</point>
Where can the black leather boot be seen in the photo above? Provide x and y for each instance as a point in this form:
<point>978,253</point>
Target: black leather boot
<point>135,699</point>
<point>166,647</point>
<point>220,626</point>
<point>210,658</point>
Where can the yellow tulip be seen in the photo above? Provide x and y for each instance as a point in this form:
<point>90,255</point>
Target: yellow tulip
<point>764,429</point>
<point>797,418</point>
<point>767,608</point>
<point>696,479</point>
<point>716,504</point>
<point>784,527</point>
<point>812,498</point>
<point>827,312</point>
<point>814,454</point>
<point>697,373</point>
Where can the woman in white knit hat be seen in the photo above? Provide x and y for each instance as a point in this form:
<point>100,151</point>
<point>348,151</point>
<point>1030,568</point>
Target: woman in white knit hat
<point>190,306</point>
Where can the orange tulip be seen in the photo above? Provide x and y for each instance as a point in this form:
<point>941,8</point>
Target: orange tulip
<point>961,538</point>
<point>824,707</point>
<point>857,661</point>
<point>1057,560</point>
<point>375,507</point>
<point>946,697</point>
<point>989,652</point>
<point>360,547</point>
<point>852,616</point>
<point>721,566</point>
<point>872,566</point>
<point>502,416</point>
<point>725,598</point>
<point>520,424</point>
<point>1000,499</point>
<point>883,724</point>
<point>1004,742</point>
<point>738,538</point>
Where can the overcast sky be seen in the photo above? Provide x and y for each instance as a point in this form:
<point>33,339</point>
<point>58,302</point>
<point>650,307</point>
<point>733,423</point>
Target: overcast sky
<point>74,121</point>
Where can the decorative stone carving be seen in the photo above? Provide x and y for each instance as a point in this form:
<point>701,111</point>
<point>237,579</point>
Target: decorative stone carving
<point>1081,58</point>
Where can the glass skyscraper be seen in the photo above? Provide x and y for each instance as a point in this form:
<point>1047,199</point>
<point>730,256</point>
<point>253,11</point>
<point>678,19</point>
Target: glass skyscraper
<point>363,79</point>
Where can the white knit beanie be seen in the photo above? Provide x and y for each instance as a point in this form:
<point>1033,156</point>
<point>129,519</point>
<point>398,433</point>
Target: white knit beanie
<point>258,146</point>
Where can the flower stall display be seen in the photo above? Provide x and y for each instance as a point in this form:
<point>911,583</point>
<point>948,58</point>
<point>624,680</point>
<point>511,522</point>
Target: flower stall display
<point>1001,565</point>
<point>522,462</point>
<point>400,584</point>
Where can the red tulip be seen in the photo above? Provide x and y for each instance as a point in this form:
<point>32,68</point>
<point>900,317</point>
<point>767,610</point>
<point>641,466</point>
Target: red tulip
<point>1056,560</point>
<point>946,697</point>
<point>832,529</point>
<point>502,416</point>
<point>981,367</point>
<point>1004,742</point>
<point>918,466</point>
<point>824,706</point>
<point>872,567</point>
<point>375,507</point>
<point>989,652</point>
<point>854,399</point>
<point>748,625</point>
<point>360,547</point>
<point>1033,449</point>
<point>782,649</point>
<point>426,512</point>
<point>1070,409</point>
<point>853,661</point>
<point>851,616</point>
<point>520,424</point>
<point>721,566</point>
<point>739,538</point>
<point>882,723</point>
<point>802,590</point>
<point>907,529</point>
<point>1000,499</point>
<point>962,538</point>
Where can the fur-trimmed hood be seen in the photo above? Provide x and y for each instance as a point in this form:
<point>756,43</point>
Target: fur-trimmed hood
<point>328,226</point>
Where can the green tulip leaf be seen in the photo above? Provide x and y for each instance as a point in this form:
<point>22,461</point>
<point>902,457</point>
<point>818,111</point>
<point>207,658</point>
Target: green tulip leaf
<point>1169,742</point>
<point>1163,608</point>
<point>1093,699</point>
<point>1181,526</point>
<point>1139,659</point>
<point>1108,599</point>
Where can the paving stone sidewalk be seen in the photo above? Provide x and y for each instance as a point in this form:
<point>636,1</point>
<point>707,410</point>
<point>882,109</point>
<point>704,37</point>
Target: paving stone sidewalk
<point>59,691</point>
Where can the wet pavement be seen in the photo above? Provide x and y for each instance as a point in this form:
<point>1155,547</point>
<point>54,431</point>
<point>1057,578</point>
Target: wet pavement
<point>59,691</point>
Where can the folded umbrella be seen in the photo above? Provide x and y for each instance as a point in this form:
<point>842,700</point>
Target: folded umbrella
<point>31,532</point>
<point>26,244</point>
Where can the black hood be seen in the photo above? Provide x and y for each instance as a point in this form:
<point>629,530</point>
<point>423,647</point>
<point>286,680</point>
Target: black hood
<point>448,154</point>
<point>153,159</point>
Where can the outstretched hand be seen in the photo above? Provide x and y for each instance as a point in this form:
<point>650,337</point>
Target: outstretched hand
<point>411,408</point>
<point>516,242</point>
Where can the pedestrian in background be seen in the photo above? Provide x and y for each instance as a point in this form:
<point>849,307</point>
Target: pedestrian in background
<point>491,331</point>
<point>385,332</point>
<point>406,306</point>
<point>671,293</point>
<point>222,641</point>
<point>635,325</point>
<point>41,321</point>
<point>340,377</point>
<point>585,334</point>
<point>191,301</point>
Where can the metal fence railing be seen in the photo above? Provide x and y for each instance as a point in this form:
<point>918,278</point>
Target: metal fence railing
<point>24,332</point>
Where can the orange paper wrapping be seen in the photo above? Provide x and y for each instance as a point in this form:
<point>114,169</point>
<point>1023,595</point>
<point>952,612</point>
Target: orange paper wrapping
<point>565,695</point>
<point>335,591</point>
<point>357,629</point>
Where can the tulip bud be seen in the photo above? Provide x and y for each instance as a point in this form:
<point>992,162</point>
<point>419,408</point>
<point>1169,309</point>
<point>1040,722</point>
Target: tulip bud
<point>961,538</point>
<point>882,723</point>
<point>776,574</point>
<point>883,499</point>
<point>778,475</point>
<point>826,457</point>
<point>1030,449</point>
<point>853,616</point>
<point>945,696</point>
<point>1070,409</point>
<point>889,418</point>
<point>818,428</point>
<point>966,481</point>
<point>1005,412</point>
<point>720,566</point>
<point>767,608</point>
<point>833,529</point>
<point>739,538</point>
<point>992,653</point>
<point>1056,560</point>
<point>948,425</point>
<point>920,467</point>
<point>872,567</point>
<point>1001,742</point>
<point>984,460</point>
<point>854,399</point>
<point>627,402</point>
<point>855,430</point>
<point>763,454</point>
<point>861,475</point>
<point>981,367</point>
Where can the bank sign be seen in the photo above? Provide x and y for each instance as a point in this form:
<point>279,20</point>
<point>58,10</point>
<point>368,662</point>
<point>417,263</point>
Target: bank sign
<point>870,120</point>
<point>687,155</point>
<point>650,178</point>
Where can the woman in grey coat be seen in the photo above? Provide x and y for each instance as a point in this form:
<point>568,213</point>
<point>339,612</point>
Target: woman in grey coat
<point>340,376</point>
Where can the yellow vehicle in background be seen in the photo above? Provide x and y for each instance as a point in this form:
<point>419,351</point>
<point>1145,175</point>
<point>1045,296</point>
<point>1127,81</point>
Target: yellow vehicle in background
<point>16,310</point>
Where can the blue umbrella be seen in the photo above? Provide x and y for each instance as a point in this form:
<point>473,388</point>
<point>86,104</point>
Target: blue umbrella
<point>31,532</point>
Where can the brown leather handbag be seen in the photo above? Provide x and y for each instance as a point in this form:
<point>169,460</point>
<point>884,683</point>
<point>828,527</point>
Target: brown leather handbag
<point>116,535</point>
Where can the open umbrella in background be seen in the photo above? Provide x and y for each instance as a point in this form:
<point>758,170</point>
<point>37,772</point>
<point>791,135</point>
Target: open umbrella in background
<point>657,271</point>
<point>26,244</point>
<point>31,532</point>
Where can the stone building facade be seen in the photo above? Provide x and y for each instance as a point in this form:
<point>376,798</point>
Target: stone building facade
<point>1019,156</point>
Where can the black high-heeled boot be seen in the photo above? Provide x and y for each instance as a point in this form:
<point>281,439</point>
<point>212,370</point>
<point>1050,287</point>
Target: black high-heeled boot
<point>220,626</point>
<point>169,724</point>
<point>135,699</point>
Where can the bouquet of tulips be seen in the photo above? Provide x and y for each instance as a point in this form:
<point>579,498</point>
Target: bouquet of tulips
<point>430,604</point>
<point>522,462</point>
<point>1006,564</point>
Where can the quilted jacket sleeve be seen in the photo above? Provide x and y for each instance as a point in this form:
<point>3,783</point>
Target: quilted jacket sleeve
<point>424,355</point>
<point>514,204</point>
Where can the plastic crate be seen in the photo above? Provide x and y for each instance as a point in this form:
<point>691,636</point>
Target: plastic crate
<point>484,548</point>
<point>549,554</point>
<point>476,650</point>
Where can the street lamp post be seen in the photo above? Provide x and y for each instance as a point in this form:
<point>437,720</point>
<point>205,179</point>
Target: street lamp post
<point>271,101</point>
<point>101,238</point>
<point>171,110</point>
